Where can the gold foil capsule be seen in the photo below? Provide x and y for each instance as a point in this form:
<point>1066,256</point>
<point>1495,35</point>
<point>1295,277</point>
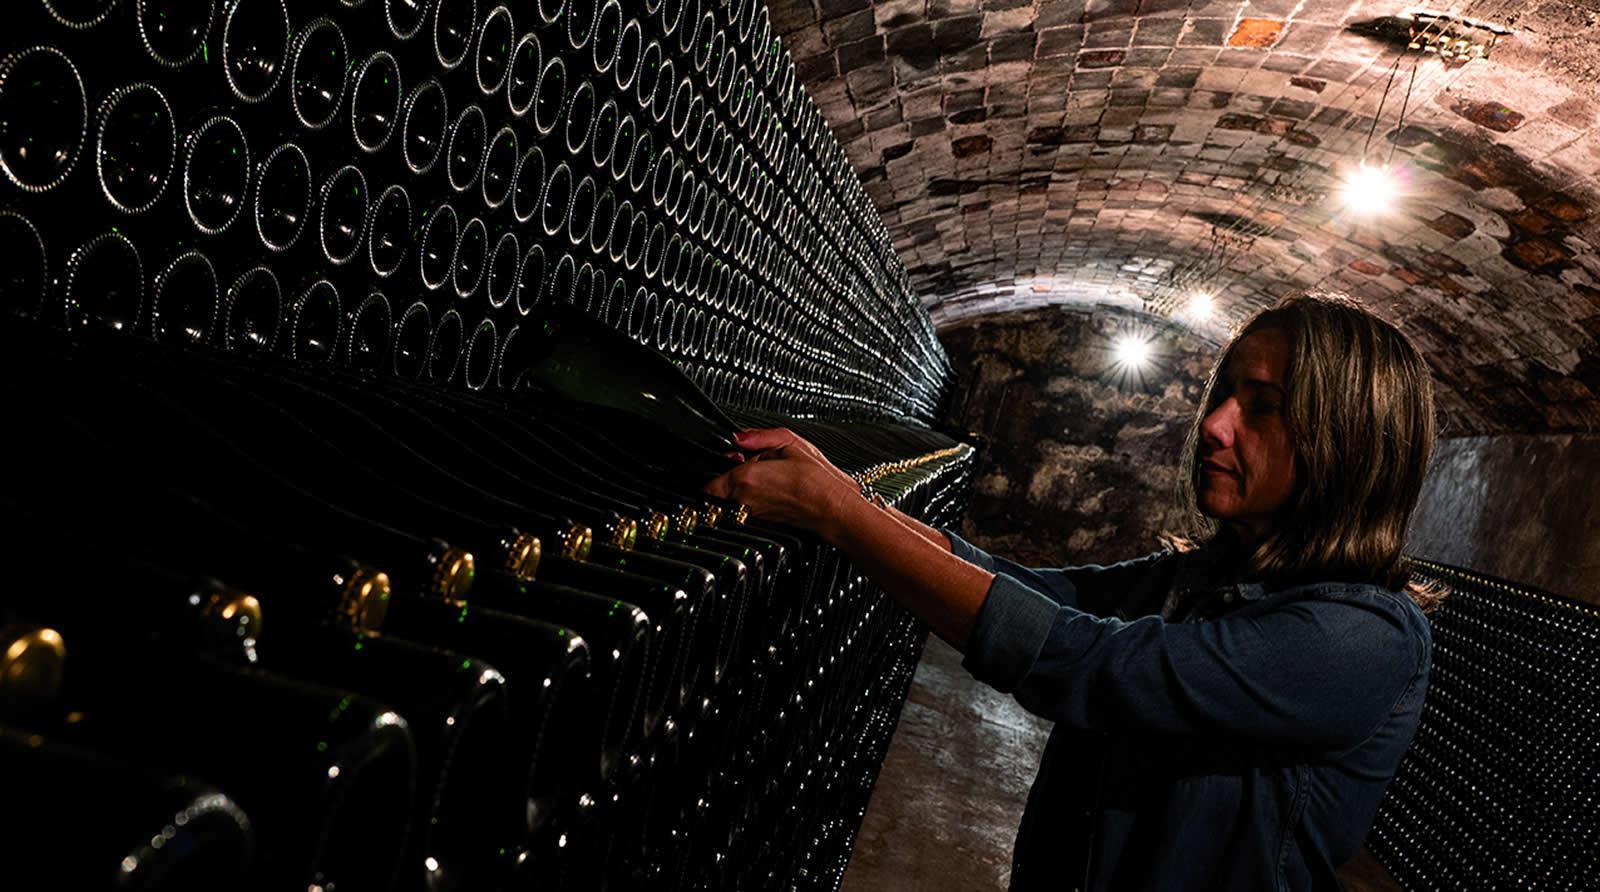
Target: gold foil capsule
<point>236,607</point>
<point>658,525</point>
<point>364,600</point>
<point>522,555</point>
<point>31,665</point>
<point>453,571</point>
<point>626,533</point>
<point>576,541</point>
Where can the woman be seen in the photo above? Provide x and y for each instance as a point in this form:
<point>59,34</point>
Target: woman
<point>1228,716</point>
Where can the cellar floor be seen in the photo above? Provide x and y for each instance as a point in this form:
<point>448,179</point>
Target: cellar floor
<point>944,812</point>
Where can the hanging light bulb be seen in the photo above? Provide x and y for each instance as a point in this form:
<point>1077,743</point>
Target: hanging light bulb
<point>1370,189</point>
<point>1133,351</point>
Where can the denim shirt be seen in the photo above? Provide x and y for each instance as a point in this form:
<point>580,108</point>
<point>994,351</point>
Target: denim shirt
<point>1206,737</point>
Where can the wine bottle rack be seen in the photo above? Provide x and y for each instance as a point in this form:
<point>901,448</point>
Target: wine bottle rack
<point>1498,790</point>
<point>343,219</point>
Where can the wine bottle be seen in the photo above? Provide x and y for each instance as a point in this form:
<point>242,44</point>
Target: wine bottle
<point>32,658</point>
<point>582,360</point>
<point>325,775</point>
<point>239,482</point>
<point>46,118</point>
<point>624,649</point>
<point>103,285</point>
<point>25,280</point>
<point>460,726</point>
<point>214,163</point>
<point>459,712</point>
<point>533,652</point>
<point>547,670</point>
<point>679,674</point>
<point>466,147</point>
<point>389,230</point>
<point>144,831</point>
<point>456,706</point>
<point>717,607</point>
<point>448,440</point>
<point>255,40</point>
<point>320,459</point>
<point>376,97</point>
<point>185,299</point>
<point>136,147</point>
<point>318,59</point>
<point>194,614</point>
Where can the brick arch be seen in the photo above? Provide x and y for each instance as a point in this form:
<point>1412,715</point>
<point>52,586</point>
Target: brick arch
<point>1033,151</point>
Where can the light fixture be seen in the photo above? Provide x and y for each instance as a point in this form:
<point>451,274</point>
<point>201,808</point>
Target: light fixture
<point>1201,306</point>
<point>1133,359</point>
<point>1453,38</point>
<point>1370,189</point>
<point>1133,351</point>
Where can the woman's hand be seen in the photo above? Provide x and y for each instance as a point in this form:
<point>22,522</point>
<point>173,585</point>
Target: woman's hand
<point>787,480</point>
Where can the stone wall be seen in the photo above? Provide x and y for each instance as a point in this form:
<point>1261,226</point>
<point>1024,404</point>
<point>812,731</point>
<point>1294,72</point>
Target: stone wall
<point>1524,508</point>
<point>1080,461</point>
<point>1026,148</point>
<point>1081,455</point>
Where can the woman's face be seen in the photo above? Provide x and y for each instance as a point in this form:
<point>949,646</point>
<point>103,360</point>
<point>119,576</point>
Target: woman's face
<point>1247,466</point>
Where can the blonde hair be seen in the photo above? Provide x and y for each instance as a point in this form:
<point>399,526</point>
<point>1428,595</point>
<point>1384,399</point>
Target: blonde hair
<point>1359,409</point>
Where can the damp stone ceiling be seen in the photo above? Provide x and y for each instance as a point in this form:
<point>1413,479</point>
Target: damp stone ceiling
<point>1136,152</point>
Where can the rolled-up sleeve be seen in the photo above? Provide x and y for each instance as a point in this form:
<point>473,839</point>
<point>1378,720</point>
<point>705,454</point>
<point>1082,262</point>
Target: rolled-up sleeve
<point>1323,670</point>
<point>1059,585</point>
<point>968,552</point>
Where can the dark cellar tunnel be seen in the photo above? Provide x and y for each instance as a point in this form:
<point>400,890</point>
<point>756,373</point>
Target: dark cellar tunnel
<point>385,517</point>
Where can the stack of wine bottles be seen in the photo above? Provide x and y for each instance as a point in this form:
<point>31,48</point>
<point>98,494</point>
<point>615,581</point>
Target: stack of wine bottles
<point>367,359</point>
<point>1500,786</point>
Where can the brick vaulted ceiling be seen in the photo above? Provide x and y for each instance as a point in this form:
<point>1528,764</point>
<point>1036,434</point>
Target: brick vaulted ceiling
<point>1131,151</point>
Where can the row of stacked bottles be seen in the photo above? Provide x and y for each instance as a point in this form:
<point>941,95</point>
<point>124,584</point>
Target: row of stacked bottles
<point>366,360</point>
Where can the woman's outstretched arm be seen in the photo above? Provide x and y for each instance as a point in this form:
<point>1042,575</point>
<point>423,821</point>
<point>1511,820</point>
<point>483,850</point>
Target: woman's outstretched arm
<point>789,481</point>
<point>921,529</point>
<point>919,573</point>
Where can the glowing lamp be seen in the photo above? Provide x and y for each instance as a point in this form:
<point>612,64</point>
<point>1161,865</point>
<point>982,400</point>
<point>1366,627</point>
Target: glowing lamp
<point>1369,189</point>
<point>1132,351</point>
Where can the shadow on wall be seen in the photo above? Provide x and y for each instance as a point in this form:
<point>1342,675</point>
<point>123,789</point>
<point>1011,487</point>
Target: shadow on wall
<point>1523,508</point>
<point>1082,455</point>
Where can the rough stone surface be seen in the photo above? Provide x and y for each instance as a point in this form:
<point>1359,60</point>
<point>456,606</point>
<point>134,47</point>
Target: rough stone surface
<point>1048,151</point>
<point>1518,507</point>
<point>1080,464</point>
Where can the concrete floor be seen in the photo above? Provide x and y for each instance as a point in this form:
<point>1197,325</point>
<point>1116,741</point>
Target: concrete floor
<point>944,813</point>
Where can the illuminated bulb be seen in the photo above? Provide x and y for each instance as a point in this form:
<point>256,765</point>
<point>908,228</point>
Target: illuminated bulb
<point>1369,189</point>
<point>1200,306</point>
<point>431,863</point>
<point>1132,350</point>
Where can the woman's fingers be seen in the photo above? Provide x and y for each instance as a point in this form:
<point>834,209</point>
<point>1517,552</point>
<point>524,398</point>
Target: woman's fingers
<point>768,454</point>
<point>733,484</point>
<point>758,439</point>
<point>785,480</point>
